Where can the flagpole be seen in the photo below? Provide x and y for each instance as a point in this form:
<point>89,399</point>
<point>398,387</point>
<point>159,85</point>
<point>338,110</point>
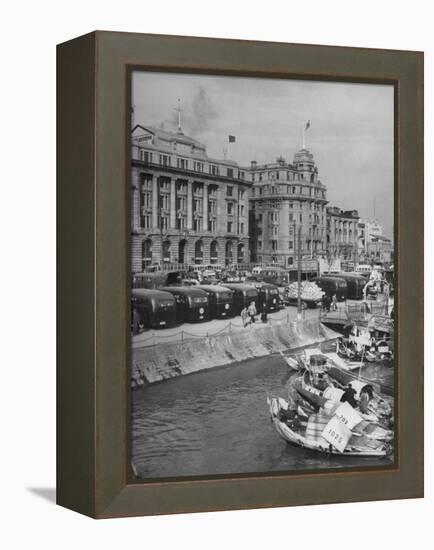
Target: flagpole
<point>179,111</point>
<point>231,139</point>
<point>302,136</point>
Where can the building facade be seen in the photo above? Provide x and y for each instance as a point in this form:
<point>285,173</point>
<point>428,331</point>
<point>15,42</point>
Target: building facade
<point>285,199</point>
<point>187,208</point>
<point>342,234</point>
<point>380,249</point>
<point>372,244</point>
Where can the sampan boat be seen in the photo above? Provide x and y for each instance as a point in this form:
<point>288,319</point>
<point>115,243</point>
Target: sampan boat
<point>365,439</point>
<point>346,377</point>
<point>380,407</point>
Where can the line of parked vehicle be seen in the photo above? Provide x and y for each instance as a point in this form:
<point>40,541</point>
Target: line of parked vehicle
<point>164,299</point>
<point>170,305</point>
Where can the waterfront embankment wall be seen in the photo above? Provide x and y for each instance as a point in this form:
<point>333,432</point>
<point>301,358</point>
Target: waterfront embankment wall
<point>163,361</point>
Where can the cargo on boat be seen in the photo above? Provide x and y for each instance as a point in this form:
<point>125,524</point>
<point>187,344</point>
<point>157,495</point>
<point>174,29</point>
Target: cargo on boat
<point>342,433</point>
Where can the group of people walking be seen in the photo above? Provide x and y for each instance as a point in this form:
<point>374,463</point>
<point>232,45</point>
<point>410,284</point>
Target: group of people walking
<point>248,314</point>
<point>330,303</point>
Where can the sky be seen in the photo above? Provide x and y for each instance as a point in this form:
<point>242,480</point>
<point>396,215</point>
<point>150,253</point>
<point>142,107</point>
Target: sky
<point>350,134</point>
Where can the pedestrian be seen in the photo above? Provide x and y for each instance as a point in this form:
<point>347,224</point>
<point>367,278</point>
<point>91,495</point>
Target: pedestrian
<point>251,310</point>
<point>264,316</point>
<point>334,303</point>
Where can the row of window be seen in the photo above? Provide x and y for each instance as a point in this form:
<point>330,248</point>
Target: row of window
<point>182,187</point>
<point>231,225</point>
<point>198,224</point>
<point>186,164</point>
<point>230,208</point>
<point>289,190</point>
<point>181,204</point>
<point>181,223</point>
<point>274,245</point>
<point>282,176</point>
<point>342,225</point>
<point>230,192</point>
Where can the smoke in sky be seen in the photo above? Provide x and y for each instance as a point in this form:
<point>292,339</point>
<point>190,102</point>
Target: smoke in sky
<point>200,114</point>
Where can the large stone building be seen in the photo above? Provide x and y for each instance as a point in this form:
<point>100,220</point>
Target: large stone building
<point>342,234</point>
<point>284,199</point>
<point>187,208</point>
<point>373,246</point>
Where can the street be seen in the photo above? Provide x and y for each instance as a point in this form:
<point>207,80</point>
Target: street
<point>187,331</point>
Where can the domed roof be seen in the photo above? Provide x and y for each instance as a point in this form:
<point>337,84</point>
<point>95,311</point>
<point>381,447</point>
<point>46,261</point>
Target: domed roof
<point>304,156</point>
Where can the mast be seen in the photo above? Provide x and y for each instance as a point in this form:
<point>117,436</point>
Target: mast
<point>179,111</point>
<point>299,308</point>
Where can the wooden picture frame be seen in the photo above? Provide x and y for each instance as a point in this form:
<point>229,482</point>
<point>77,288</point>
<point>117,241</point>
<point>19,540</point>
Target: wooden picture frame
<point>93,272</point>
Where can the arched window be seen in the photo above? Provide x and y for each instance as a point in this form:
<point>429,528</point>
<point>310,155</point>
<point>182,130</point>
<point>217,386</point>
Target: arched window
<point>198,252</point>
<point>214,252</point>
<point>181,251</point>
<point>146,253</point>
<point>228,252</point>
<point>166,251</point>
<point>240,253</point>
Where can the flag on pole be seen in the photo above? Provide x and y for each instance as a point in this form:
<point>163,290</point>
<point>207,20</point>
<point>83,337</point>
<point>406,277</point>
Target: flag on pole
<point>307,125</point>
<point>231,139</point>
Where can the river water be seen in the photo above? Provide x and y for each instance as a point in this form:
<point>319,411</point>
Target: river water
<point>217,422</point>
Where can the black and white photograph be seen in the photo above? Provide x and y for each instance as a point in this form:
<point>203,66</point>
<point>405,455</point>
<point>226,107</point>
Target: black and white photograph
<point>262,275</point>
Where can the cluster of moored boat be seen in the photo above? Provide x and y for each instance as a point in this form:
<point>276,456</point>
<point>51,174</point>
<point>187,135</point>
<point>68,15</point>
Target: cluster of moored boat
<point>332,409</point>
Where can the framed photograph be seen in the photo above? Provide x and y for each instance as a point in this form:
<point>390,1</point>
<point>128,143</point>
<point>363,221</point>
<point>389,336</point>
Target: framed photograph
<point>240,274</point>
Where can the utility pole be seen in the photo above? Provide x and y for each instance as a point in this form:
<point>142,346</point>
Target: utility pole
<point>299,274</point>
<point>160,221</point>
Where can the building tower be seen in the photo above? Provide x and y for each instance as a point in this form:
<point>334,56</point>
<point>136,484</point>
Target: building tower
<point>285,198</point>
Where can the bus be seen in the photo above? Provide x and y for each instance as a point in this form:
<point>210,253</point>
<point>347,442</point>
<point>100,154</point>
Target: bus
<point>220,301</point>
<point>192,303</point>
<point>156,279</point>
<point>274,275</point>
<point>355,285</point>
<point>332,285</point>
<point>268,294</point>
<point>152,309</point>
<point>242,296</point>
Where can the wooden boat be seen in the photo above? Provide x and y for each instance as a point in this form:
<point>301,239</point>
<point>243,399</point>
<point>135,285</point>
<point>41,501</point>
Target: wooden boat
<point>380,408</point>
<point>378,351</point>
<point>362,441</point>
<point>345,377</point>
<point>341,371</point>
